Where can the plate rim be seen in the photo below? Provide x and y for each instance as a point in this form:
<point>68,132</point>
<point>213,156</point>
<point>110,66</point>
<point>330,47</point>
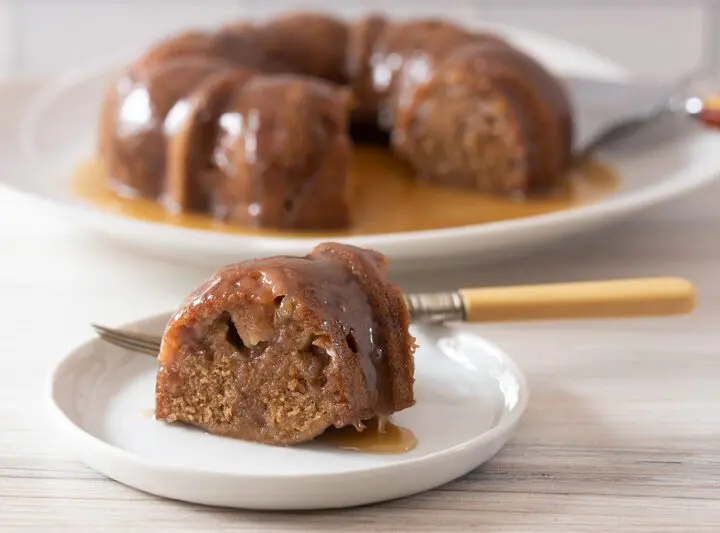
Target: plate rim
<point>85,440</point>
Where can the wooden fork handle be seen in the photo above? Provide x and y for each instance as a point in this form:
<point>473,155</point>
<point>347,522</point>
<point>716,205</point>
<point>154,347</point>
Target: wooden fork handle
<point>710,112</point>
<point>644,297</point>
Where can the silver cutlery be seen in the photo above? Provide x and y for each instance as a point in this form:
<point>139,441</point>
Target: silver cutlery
<point>622,298</point>
<point>609,111</point>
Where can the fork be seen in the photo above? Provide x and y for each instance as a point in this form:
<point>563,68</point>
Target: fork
<point>641,297</point>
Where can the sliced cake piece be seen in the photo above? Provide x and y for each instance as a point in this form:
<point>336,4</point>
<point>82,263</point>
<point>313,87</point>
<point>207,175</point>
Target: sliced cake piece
<point>277,350</point>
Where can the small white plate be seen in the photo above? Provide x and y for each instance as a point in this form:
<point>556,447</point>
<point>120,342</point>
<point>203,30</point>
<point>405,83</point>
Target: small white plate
<point>59,128</point>
<point>470,397</point>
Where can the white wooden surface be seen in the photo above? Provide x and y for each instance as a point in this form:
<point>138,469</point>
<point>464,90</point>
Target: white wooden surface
<point>7,41</point>
<point>659,38</point>
<point>622,432</point>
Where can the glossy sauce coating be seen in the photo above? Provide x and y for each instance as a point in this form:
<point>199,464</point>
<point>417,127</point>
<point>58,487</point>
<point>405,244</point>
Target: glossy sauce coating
<point>280,145</point>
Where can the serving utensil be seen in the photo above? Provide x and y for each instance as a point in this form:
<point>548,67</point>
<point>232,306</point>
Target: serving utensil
<point>643,297</point>
<point>609,111</point>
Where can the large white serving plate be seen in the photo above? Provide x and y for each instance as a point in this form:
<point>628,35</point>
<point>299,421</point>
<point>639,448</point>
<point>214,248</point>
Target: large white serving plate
<point>58,127</point>
<point>470,397</point>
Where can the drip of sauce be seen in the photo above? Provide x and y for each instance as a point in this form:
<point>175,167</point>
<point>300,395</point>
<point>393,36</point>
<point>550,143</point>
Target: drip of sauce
<point>377,437</point>
<point>386,199</point>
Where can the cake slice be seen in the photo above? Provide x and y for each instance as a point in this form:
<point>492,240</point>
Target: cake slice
<point>277,350</point>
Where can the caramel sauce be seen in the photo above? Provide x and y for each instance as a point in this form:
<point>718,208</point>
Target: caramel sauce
<point>386,199</point>
<point>391,440</point>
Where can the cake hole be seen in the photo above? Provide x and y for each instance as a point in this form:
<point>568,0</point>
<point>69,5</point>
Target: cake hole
<point>318,366</point>
<point>288,205</point>
<point>278,300</point>
<point>232,336</point>
<point>320,353</point>
<point>352,344</point>
<point>235,341</point>
<point>255,275</point>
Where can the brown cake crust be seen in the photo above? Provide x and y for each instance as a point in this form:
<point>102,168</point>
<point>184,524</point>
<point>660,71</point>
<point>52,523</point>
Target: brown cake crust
<point>310,44</point>
<point>133,139</point>
<point>280,167</point>
<point>239,48</point>
<point>277,350</point>
<point>192,177</point>
<point>359,70</point>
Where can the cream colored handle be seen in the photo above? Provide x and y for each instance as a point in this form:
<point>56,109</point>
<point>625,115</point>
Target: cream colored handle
<point>644,297</point>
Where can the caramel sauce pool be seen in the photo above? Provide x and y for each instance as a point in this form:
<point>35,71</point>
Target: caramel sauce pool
<point>386,199</point>
<point>393,440</point>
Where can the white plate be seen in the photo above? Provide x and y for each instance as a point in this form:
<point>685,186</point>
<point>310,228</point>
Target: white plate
<point>60,128</point>
<point>470,397</point>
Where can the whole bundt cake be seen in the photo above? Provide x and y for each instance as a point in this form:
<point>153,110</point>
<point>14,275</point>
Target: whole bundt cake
<point>251,123</point>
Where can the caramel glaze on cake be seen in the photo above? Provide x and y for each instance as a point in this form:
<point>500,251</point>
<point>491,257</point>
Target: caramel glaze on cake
<point>250,123</point>
<point>277,350</point>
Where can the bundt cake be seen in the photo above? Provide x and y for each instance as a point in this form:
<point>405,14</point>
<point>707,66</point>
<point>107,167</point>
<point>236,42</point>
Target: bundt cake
<point>250,123</point>
<point>277,350</point>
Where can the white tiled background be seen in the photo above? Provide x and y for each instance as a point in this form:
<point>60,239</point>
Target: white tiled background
<point>663,38</point>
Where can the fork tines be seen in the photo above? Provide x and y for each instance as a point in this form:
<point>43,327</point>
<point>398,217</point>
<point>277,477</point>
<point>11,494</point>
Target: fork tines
<point>136,342</point>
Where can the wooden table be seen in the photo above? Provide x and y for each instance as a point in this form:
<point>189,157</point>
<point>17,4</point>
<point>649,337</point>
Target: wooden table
<point>622,432</point>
